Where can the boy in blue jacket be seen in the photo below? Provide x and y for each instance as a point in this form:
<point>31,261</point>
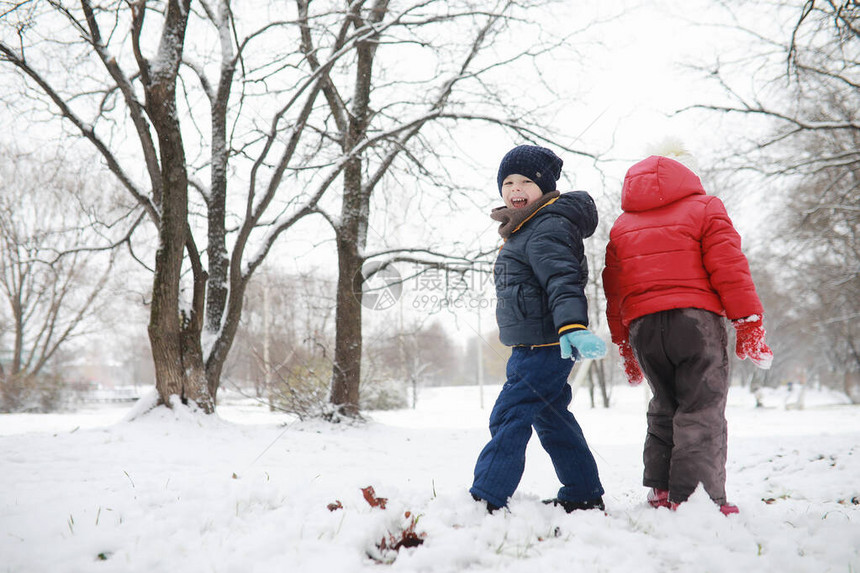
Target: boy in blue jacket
<point>540,276</point>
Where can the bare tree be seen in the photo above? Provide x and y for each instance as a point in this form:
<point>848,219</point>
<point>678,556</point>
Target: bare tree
<point>384,126</point>
<point>49,280</point>
<point>806,86</point>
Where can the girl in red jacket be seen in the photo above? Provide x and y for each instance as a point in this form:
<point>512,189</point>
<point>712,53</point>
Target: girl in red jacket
<point>674,269</point>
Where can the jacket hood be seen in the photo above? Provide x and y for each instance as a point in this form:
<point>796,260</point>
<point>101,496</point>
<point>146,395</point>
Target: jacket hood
<point>579,207</point>
<point>657,181</point>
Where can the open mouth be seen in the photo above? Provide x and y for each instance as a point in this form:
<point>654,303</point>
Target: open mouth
<point>519,202</point>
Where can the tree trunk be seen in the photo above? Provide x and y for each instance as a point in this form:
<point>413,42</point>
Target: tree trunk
<point>352,233</point>
<point>346,372</point>
<point>601,380</point>
<point>852,386</point>
<point>216,250</point>
<point>174,334</point>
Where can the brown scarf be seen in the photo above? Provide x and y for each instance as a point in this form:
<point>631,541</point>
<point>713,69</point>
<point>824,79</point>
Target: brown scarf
<point>511,219</point>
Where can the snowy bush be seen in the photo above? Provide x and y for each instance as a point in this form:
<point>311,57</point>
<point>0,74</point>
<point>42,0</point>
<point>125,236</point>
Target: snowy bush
<point>30,393</point>
<point>302,389</point>
<point>384,394</point>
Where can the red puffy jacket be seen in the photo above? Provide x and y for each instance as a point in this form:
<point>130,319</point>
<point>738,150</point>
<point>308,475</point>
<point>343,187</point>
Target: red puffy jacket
<point>674,246</point>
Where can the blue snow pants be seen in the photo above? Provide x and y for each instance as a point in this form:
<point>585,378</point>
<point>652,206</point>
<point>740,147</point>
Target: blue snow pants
<point>537,394</point>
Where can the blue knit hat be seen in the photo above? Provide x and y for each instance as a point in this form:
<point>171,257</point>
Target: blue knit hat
<point>539,164</point>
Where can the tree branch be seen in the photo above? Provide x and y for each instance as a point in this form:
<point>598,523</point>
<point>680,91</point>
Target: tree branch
<point>85,130</point>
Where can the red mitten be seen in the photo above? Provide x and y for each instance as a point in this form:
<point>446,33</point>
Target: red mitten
<point>631,367</point>
<point>750,341</point>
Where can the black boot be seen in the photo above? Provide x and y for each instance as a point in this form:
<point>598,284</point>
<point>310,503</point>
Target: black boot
<point>490,506</point>
<point>571,506</point>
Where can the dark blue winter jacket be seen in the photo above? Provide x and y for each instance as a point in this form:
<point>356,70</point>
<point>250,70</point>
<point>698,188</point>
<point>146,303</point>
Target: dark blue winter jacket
<point>541,271</point>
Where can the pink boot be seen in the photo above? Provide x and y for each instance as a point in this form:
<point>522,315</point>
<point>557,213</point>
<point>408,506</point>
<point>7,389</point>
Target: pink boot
<point>729,508</point>
<point>659,498</point>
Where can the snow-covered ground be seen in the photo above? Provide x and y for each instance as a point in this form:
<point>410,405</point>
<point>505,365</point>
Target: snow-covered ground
<point>244,492</point>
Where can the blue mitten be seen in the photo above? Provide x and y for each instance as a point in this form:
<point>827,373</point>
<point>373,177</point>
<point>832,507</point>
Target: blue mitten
<point>586,342</point>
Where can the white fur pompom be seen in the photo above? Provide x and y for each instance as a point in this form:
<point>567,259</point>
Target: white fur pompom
<point>673,148</point>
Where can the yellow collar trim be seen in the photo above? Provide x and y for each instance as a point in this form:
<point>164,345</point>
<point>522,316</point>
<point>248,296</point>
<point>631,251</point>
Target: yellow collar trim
<point>527,219</point>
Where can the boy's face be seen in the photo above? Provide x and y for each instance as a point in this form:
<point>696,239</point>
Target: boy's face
<point>518,191</point>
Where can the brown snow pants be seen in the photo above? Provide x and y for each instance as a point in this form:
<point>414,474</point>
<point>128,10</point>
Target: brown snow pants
<point>683,355</point>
